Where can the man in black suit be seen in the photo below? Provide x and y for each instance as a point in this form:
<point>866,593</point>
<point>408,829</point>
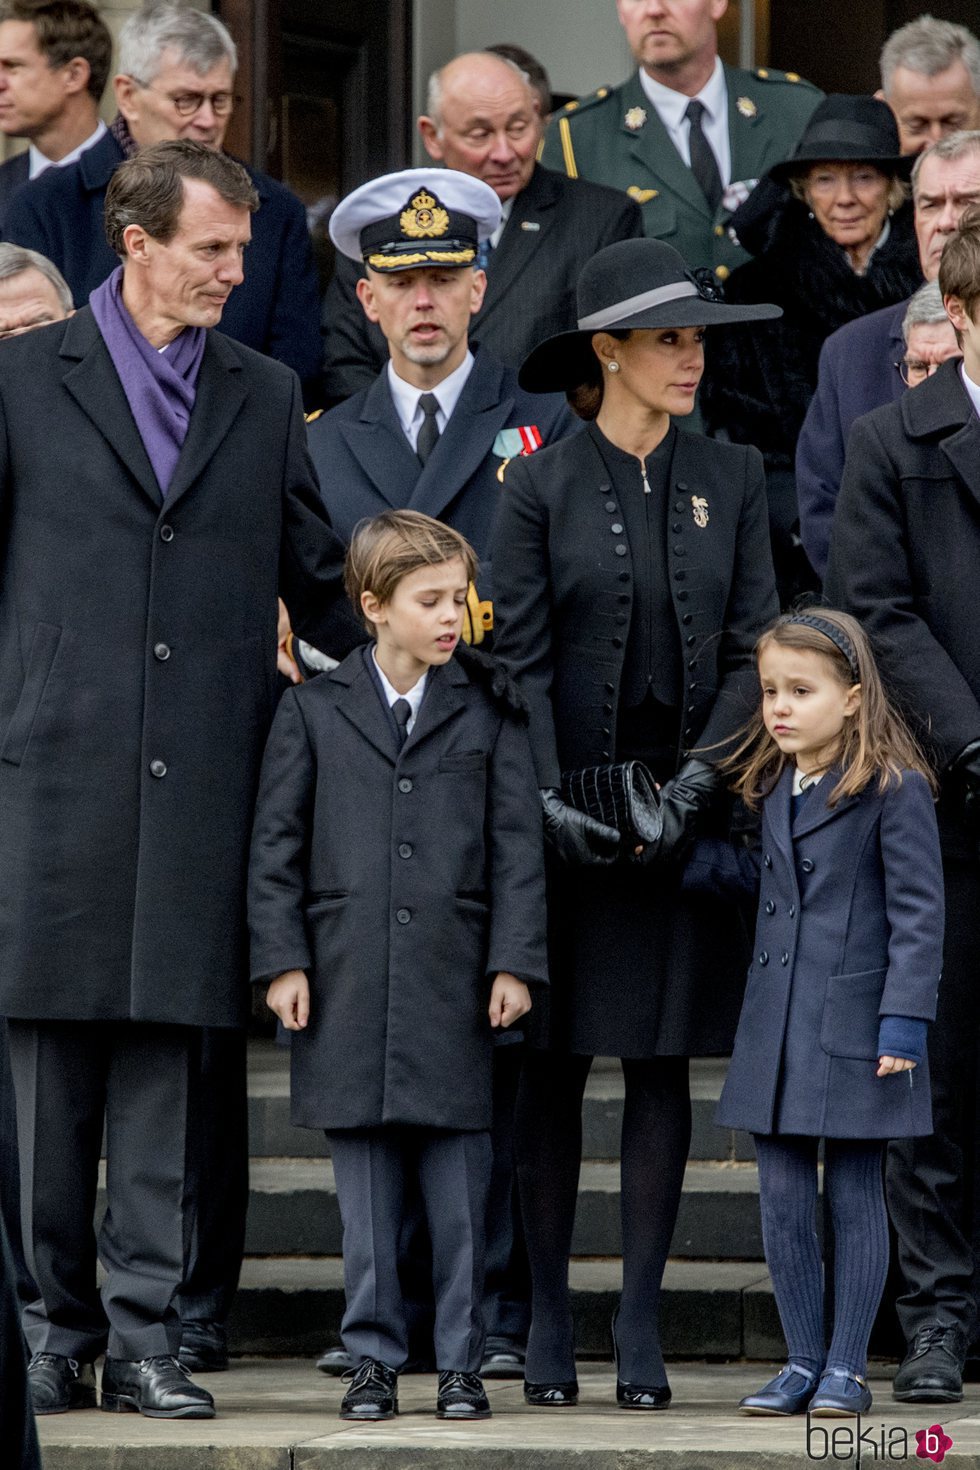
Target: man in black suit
<point>136,690</point>
<point>54,64</point>
<point>483,120</point>
<point>905,559</point>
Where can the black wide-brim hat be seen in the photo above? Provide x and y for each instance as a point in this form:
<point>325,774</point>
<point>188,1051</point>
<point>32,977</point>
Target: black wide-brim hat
<point>628,286</point>
<point>845,129</point>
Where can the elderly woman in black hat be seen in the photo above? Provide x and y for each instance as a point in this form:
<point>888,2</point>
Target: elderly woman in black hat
<point>835,241</point>
<point>634,577</point>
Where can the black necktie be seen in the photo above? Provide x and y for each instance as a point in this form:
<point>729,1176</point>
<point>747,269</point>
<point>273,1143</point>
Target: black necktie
<point>429,432</point>
<point>402,711</point>
<point>704,164</point>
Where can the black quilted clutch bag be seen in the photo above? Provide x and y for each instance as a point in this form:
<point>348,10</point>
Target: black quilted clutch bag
<point>623,796</point>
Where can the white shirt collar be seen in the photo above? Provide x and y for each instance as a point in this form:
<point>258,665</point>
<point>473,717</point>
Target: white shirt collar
<point>406,398</point>
<point>506,205</point>
<point>799,778</point>
<point>671,107</point>
<point>972,389</point>
<point>37,162</point>
<point>414,695</point>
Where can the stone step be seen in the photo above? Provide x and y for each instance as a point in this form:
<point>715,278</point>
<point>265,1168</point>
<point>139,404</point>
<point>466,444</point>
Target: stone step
<point>293,1211</point>
<point>283,1416</point>
<point>271,1135</point>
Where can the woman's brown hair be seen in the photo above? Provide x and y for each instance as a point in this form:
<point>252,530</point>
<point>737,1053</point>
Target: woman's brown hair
<point>875,741</point>
<point>585,399</point>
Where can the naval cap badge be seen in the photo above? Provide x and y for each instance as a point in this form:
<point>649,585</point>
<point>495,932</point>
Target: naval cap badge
<point>424,217</point>
<point>635,118</point>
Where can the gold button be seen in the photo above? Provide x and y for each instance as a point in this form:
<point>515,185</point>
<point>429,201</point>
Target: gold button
<point>719,230</point>
<point>722,272</point>
<point>792,76</point>
<point>762,72</point>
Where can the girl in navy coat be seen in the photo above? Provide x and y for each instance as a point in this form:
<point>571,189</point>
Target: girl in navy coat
<point>831,1042</point>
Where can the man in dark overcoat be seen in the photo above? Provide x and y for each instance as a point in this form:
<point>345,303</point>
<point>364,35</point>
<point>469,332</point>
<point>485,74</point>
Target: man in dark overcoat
<point>905,559</point>
<point>143,546</point>
<point>482,119</point>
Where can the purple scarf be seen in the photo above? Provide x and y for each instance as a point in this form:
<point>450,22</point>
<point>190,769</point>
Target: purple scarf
<point>160,386</point>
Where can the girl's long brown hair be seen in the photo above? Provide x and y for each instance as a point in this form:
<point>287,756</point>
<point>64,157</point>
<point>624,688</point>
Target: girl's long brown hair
<point>875,741</point>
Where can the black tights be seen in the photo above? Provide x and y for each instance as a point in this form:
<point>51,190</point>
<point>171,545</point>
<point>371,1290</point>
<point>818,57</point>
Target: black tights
<point>655,1141</point>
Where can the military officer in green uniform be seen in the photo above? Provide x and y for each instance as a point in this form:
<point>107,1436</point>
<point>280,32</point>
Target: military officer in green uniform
<point>687,137</point>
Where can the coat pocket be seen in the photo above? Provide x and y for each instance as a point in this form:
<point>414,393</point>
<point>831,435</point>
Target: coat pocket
<point>43,650</point>
<point>850,1015</point>
<point>465,760</point>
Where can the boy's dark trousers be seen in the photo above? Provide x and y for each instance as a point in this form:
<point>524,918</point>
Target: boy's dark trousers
<point>374,1169</point>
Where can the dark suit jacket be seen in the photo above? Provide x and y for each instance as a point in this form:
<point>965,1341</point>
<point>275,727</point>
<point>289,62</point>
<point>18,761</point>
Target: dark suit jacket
<point>401,880</point>
<point>905,553</point>
<point>275,310</point>
<point>856,374</point>
<point>138,673</point>
<point>13,175</point>
<point>366,465</point>
<point>555,226</point>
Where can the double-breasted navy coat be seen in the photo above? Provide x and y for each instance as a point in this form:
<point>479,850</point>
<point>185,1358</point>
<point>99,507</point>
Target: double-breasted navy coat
<point>850,929</point>
<point>401,881</point>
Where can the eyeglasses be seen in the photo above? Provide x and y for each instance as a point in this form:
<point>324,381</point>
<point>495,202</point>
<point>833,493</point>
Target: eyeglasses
<point>914,370</point>
<point>185,104</point>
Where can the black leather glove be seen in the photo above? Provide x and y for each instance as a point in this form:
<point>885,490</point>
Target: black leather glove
<point>576,837</point>
<point>682,800</point>
<point>965,781</point>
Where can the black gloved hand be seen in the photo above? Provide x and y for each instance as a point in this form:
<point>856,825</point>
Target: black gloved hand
<point>682,800</point>
<point>965,781</point>
<point>576,837</point>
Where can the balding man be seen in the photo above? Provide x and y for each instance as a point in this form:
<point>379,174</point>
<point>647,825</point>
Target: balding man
<point>482,117</point>
<point>930,78</point>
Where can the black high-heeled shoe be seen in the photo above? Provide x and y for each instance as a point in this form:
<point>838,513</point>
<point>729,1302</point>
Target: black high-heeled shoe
<point>637,1395</point>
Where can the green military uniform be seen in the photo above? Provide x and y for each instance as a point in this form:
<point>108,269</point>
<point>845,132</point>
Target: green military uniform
<point>616,137</point>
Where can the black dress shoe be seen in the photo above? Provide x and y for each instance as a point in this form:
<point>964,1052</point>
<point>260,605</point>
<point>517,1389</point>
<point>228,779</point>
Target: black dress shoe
<point>502,1358</point>
<point>551,1395</point>
<point>637,1396</point>
<point>335,1361</point>
<point>59,1384</point>
<point>373,1392</point>
<point>932,1369</point>
<point>461,1396</point>
<point>203,1347</point>
<point>157,1387</point>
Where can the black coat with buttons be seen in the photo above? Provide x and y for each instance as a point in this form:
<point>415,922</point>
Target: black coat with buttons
<point>638,969</point>
<point>401,881</point>
<point>138,673</point>
<point>850,929</point>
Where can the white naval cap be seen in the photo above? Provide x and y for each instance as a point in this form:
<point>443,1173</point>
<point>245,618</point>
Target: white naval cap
<point>415,218</point>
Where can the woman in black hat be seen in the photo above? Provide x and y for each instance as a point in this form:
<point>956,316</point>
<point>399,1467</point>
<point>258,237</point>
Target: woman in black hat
<point>634,578</point>
<point>837,242</point>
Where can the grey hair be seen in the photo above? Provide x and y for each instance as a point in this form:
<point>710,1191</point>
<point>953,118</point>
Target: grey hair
<point>15,259</point>
<point>199,39</point>
<point>954,145</point>
<point>925,309</point>
<point>929,46</point>
<point>433,91</point>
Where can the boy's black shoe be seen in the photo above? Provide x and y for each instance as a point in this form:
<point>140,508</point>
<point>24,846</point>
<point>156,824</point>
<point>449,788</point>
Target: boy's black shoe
<point>157,1387</point>
<point>203,1347</point>
<point>58,1384</point>
<point>461,1396</point>
<point>336,1361</point>
<point>502,1358</point>
<point>551,1395</point>
<point>373,1393</point>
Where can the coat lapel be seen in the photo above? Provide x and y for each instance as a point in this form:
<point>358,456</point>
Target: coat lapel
<point>945,408</point>
<point>653,152</point>
<point>778,810</point>
<point>377,442</point>
<point>749,142</point>
<point>816,813</point>
<point>443,700</point>
<point>92,380</point>
<point>362,706</point>
<point>480,413</point>
<point>531,220</point>
<point>219,399</point>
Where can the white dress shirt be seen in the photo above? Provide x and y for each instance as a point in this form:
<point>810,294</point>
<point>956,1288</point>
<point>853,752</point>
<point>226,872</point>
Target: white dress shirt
<point>671,107</point>
<point>406,398</point>
<point>506,205</point>
<point>414,695</point>
<point>37,162</point>
<point>972,388</point>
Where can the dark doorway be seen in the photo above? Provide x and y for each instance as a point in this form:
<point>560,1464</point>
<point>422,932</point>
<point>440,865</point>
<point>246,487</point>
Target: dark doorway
<point>836,44</point>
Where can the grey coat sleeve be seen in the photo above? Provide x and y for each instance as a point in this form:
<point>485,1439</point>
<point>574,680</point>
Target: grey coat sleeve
<point>518,940</point>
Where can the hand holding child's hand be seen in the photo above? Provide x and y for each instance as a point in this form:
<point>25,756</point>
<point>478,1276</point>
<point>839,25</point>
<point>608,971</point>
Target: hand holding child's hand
<point>887,1065</point>
<point>289,997</point>
<point>509,1000</point>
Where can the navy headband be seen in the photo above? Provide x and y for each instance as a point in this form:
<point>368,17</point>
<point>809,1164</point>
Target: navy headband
<point>829,630</point>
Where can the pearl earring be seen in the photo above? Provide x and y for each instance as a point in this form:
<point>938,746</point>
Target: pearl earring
<point>613,366</point>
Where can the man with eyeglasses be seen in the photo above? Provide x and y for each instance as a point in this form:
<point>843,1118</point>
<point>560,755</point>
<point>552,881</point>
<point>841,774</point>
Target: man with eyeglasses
<point>930,338</point>
<point>176,79</point>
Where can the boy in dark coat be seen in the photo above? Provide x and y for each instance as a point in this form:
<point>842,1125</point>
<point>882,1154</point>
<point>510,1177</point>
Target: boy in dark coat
<point>396,866</point>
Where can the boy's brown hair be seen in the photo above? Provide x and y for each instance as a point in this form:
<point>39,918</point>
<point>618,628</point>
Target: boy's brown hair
<point>388,548</point>
<point>959,269</point>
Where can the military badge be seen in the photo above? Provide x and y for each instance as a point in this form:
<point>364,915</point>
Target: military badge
<point>642,196</point>
<point>424,218</point>
<point>513,443</point>
<point>699,507</point>
<point>746,107</point>
<point>635,119</point>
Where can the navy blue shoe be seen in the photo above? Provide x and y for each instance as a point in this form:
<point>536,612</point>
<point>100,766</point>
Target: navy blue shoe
<point>840,1394</point>
<point>789,1392</point>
